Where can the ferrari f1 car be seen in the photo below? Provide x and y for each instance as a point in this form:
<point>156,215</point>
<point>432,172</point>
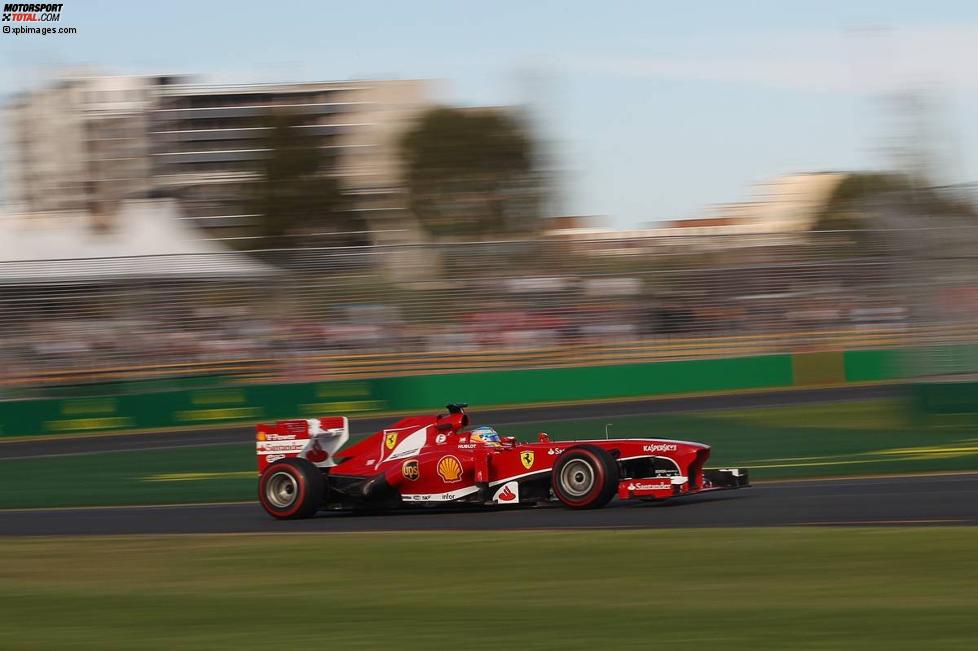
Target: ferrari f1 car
<point>435,460</point>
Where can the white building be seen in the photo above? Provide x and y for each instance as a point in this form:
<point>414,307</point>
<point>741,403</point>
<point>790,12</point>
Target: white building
<point>779,211</point>
<point>79,144</point>
<point>208,139</point>
<point>87,142</point>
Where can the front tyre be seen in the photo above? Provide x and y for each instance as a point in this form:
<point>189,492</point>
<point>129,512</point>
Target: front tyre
<point>585,477</point>
<point>291,489</point>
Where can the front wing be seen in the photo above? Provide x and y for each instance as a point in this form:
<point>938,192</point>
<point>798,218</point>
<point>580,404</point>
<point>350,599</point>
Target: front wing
<point>661,488</point>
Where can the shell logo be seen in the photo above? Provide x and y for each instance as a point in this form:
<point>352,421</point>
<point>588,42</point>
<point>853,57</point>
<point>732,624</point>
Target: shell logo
<point>449,468</point>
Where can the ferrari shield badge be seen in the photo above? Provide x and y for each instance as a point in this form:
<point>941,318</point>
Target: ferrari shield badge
<point>527,459</point>
<point>390,440</point>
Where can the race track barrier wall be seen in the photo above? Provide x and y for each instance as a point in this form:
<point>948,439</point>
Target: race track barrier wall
<point>189,408</point>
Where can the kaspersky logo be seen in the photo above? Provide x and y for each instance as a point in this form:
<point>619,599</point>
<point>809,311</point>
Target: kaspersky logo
<point>31,13</point>
<point>659,447</point>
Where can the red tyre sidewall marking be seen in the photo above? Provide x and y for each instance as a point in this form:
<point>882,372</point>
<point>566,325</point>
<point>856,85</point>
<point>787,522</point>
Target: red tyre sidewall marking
<point>598,479</point>
<point>300,482</point>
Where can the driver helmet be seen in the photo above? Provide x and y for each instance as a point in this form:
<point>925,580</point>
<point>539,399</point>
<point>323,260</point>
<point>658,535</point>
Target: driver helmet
<point>486,436</point>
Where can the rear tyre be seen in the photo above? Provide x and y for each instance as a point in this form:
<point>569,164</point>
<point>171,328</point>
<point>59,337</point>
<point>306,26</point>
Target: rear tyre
<point>292,489</point>
<point>585,477</point>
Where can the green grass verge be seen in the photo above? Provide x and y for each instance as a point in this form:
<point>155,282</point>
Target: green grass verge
<point>866,437</point>
<point>785,588</point>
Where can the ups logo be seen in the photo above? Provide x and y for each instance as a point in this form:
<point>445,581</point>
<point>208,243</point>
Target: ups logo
<point>410,470</point>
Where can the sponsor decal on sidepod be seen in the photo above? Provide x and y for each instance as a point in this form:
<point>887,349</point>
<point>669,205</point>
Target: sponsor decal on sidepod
<point>449,469</point>
<point>411,470</point>
<point>508,493</point>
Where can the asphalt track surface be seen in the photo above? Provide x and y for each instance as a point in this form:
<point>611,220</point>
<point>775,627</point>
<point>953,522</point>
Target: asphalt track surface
<point>606,411</point>
<point>923,500</point>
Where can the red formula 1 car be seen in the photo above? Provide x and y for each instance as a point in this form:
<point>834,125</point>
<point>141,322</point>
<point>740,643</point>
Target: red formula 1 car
<point>434,460</point>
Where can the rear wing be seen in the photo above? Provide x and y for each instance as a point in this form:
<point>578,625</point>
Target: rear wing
<point>315,439</point>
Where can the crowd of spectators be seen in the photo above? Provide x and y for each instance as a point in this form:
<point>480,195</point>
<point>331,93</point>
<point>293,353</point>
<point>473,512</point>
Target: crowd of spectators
<point>188,338</point>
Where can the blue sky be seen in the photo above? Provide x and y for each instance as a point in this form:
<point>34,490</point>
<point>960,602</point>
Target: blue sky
<point>654,110</point>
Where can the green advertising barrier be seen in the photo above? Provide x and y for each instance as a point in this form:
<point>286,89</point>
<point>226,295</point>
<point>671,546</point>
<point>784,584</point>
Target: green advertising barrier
<point>873,365</point>
<point>588,383</point>
<point>189,408</point>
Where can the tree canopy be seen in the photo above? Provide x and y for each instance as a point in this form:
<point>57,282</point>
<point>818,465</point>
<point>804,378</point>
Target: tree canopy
<point>471,173</point>
<point>294,194</point>
<point>844,209</point>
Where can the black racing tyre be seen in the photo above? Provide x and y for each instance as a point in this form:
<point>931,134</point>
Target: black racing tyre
<point>291,489</point>
<point>585,477</point>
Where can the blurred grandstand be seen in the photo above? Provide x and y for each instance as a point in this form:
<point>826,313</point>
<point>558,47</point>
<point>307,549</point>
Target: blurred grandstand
<point>176,308</point>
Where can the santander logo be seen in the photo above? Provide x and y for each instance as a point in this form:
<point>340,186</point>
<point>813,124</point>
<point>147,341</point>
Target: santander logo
<point>641,486</point>
<point>508,493</point>
<point>317,454</point>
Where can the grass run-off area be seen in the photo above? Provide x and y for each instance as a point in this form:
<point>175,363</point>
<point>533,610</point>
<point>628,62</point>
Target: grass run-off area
<point>769,588</point>
<point>848,438</point>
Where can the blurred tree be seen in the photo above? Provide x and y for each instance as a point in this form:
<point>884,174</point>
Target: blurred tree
<point>294,194</point>
<point>470,172</point>
<point>844,211</point>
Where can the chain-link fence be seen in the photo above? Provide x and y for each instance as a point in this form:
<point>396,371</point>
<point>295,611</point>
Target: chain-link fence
<point>373,311</point>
